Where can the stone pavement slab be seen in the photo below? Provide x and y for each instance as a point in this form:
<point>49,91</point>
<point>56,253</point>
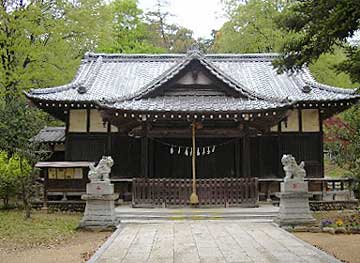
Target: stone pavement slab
<point>206,241</point>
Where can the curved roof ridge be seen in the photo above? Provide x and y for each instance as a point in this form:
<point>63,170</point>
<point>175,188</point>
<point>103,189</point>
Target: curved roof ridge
<point>50,90</point>
<point>309,79</point>
<point>92,73</point>
<point>73,84</point>
<point>115,56</point>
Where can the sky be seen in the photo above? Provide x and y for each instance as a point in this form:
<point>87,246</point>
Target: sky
<point>201,16</point>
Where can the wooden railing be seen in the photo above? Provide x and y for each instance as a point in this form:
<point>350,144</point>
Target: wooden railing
<point>217,192</point>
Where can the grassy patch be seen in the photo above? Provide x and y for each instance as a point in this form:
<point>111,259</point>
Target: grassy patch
<point>333,170</point>
<point>41,230</point>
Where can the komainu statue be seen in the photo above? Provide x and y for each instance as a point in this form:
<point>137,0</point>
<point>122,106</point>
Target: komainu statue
<point>101,172</point>
<point>292,169</point>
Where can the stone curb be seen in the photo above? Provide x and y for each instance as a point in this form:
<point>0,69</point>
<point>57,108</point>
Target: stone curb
<point>107,244</point>
<point>330,258</point>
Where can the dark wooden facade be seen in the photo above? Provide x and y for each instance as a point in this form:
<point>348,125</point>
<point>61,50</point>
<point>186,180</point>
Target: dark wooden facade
<point>265,151</point>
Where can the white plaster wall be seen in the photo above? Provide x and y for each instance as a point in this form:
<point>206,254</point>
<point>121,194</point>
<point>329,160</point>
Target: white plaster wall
<point>310,120</point>
<point>96,122</point>
<point>77,121</point>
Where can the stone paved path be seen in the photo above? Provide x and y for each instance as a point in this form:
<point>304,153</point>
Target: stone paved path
<point>206,241</point>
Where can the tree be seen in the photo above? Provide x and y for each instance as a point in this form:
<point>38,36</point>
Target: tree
<point>129,32</point>
<point>251,27</point>
<point>315,27</point>
<point>171,37</point>
<point>158,20</point>
<point>41,42</point>
<point>7,182</point>
<point>18,123</point>
<point>324,69</point>
<point>346,147</point>
<point>207,44</point>
<point>26,173</point>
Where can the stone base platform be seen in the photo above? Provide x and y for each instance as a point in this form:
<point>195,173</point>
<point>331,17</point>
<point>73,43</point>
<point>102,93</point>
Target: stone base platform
<point>99,212</point>
<point>294,204</point>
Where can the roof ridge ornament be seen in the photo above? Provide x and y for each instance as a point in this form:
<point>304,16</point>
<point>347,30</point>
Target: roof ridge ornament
<point>83,85</point>
<point>194,50</point>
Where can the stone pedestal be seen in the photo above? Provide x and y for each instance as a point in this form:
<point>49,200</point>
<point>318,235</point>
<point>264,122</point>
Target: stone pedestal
<point>100,207</point>
<point>294,204</point>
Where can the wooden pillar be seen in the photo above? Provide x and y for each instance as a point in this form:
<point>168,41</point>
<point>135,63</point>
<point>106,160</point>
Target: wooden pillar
<point>246,153</point>
<point>321,143</point>
<point>237,158</point>
<point>144,156</point>
<point>279,152</point>
<point>108,142</point>
<point>151,158</point>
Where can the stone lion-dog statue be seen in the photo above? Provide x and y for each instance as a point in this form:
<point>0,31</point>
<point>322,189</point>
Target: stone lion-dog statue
<point>292,169</point>
<point>102,171</point>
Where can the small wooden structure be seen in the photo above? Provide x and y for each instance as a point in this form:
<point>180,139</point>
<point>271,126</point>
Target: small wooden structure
<point>140,109</point>
<point>64,178</point>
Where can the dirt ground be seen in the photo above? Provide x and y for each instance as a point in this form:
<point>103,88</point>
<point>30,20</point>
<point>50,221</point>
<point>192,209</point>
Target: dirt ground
<point>78,248</point>
<point>344,247</point>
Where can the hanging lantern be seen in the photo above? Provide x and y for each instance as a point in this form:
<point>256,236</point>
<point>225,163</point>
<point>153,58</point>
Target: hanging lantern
<point>208,150</point>
<point>171,150</point>
<point>198,152</point>
<point>191,151</point>
<point>186,151</point>
<point>203,151</point>
<point>213,148</point>
<point>179,150</point>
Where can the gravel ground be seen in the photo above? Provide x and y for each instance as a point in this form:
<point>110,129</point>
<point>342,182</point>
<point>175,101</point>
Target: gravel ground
<point>344,247</point>
<point>79,248</point>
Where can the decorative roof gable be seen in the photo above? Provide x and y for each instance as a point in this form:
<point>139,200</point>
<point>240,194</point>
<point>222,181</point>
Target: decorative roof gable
<point>118,77</point>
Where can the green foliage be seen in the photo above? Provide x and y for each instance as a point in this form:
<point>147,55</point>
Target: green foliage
<point>346,150</point>
<point>12,170</point>
<point>251,28</point>
<point>7,182</point>
<point>18,123</point>
<point>314,28</point>
<point>324,70</point>
<point>129,32</point>
<point>42,41</point>
<point>351,65</point>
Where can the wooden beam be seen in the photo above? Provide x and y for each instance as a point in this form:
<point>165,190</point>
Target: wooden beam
<point>186,133</point>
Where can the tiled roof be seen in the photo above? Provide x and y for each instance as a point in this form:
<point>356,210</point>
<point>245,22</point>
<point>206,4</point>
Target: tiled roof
<point>50,135</point>
<point>195,104</point>
<point>120,79</point>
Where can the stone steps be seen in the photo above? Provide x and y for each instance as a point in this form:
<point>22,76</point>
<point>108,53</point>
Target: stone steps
<point>130,215</point>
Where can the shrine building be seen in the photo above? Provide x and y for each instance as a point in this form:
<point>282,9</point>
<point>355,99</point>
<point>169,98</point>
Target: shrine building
<point>145,110</point>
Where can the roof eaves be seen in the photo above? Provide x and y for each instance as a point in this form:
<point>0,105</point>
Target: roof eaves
<point>309,79</point>
<point>75,83</point>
